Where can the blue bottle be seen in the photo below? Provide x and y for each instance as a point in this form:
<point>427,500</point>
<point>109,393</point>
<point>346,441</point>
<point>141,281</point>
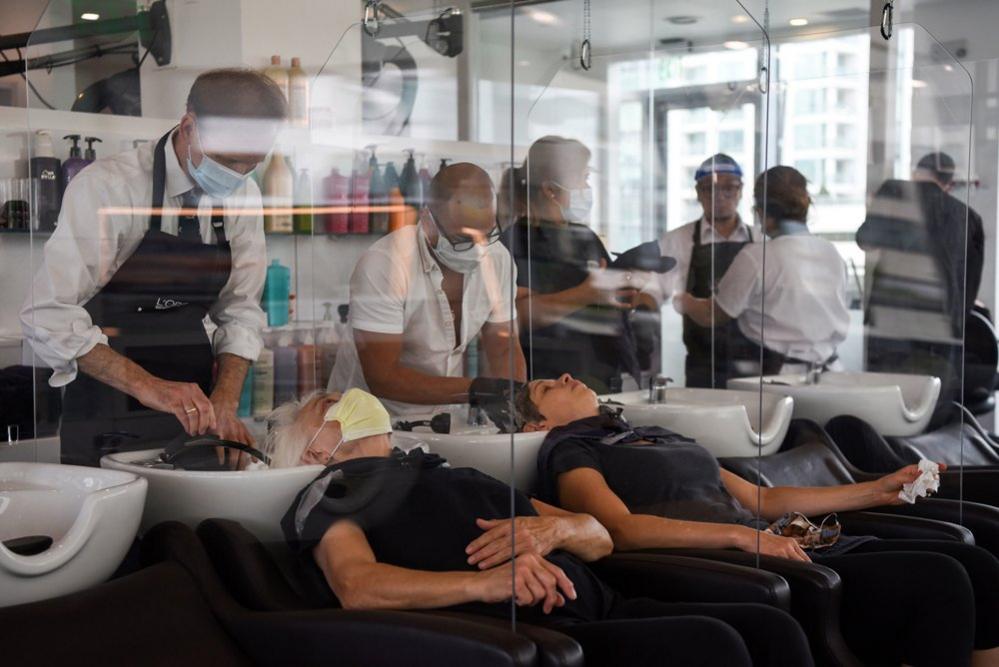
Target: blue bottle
<point>277,288</point>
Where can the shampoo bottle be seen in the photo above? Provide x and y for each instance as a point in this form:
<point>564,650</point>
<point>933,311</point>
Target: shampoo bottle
<point>263,383</point>
<point>72,166</point>
<point>278,75</point>
<point>278,193</point>
<point>338,194</point>
<point>45,173</point>
<point>298,94</point>
<point>303,221</point>
<point>90,154</point>
<point>360,185</point>
<point>378,221</point>
<point>277,288</point>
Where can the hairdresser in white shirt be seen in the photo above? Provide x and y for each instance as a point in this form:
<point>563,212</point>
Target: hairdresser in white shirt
<point>796,309</point>
<point>148,243</point>
<point>422,294</point>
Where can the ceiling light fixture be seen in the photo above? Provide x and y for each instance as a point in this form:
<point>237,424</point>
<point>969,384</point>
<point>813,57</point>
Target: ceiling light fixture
<point>543,17</point>
<point>917,83</point>
<point>735,45</point>
<point>682,20</point>
<point>797,23</point>
<point>740,18</point>
<point>89,16</point>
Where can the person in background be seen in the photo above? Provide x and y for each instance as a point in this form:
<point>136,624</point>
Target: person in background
<point>573,314</point>
<point>905,601</point>
<point>384,529</point>
<point>704,250</point>
<point>148,243</point>
<point>938,168</point>
<point>794,311</point>
<point>924,253</point>
<point>421,295</point>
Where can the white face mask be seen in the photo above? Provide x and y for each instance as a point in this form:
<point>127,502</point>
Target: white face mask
<point>460,261</point>
<point>580,204</point>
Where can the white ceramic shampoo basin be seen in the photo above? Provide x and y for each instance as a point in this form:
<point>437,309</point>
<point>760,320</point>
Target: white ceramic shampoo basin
<point>482,448</point>
<point>894,404</point>
<point>91,515</point>
<point>725,422</point>
<point>256,498</point>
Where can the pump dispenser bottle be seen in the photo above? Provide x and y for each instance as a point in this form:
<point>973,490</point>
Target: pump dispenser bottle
<point>72,166</point>
<point>90,154</point>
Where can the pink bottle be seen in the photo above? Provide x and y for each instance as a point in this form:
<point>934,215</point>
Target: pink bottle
<point>359,200</point>
<point>338,195</point>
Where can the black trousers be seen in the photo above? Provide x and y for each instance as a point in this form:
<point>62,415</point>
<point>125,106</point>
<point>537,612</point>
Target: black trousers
<point>921,602</point>
<point>645,633</point>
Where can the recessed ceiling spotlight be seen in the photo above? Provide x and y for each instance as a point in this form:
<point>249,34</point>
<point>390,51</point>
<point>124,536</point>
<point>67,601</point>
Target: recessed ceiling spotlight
<point>917,83</point>
<point>735,45</point>
<point>798,22</point>
<point>740,18</point>
<point>683,20</point>
<point>89,16</point>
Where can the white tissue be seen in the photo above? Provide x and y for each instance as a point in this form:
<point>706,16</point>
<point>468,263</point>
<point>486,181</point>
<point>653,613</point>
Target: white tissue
<point>928,481</point>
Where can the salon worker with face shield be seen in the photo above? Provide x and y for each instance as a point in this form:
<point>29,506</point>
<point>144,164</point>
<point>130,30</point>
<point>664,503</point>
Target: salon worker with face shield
<point>573,312</point>
<point>422,294</point>
<point>148,243</point>
<point>704,250</point>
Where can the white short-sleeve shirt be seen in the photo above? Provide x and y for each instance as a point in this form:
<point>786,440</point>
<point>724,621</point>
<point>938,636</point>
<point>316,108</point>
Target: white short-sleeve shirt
<point>396,289</point>
<point>804,309</point>
<point>679,243</point>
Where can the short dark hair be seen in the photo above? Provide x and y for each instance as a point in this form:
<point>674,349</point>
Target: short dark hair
<point>941,165</point>
<point>525,409</point>
<point>236,93</point>
<point>782,192</point>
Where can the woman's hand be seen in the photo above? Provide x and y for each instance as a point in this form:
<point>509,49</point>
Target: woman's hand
<point>526,534</point>
<point>535,580</point>
<point>771,545</point>
<point>888,487</point>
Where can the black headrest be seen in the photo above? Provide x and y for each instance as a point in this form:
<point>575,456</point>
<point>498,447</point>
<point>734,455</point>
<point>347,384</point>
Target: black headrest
<point>811,464</point>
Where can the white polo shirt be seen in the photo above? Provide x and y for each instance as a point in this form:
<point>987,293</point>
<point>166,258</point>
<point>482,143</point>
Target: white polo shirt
<point>679,244</point>
<point>804,296</point>
<point>396,289</point>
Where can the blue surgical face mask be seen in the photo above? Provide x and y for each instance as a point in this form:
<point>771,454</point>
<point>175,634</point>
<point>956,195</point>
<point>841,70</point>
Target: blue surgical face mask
<point>580,204</point>
<point>216,180</point>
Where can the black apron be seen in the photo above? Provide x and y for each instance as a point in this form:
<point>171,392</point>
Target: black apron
<point>707,367</point>
<point>152,312</point>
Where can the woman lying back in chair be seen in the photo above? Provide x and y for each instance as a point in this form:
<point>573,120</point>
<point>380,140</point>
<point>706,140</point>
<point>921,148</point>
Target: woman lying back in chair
<point>395,530</point>
<point>905,600</point>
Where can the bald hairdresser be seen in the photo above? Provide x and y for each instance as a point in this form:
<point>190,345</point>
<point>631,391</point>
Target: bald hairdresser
<point>421,295</point>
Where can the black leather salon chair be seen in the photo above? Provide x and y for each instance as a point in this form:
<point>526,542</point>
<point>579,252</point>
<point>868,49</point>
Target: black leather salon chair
<point>260,578</point>
<point>809,457</point>
<point>176,612</point>
<point>971,453</point>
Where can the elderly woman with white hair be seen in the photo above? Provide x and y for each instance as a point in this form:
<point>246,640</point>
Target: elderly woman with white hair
<point>388,529</point>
